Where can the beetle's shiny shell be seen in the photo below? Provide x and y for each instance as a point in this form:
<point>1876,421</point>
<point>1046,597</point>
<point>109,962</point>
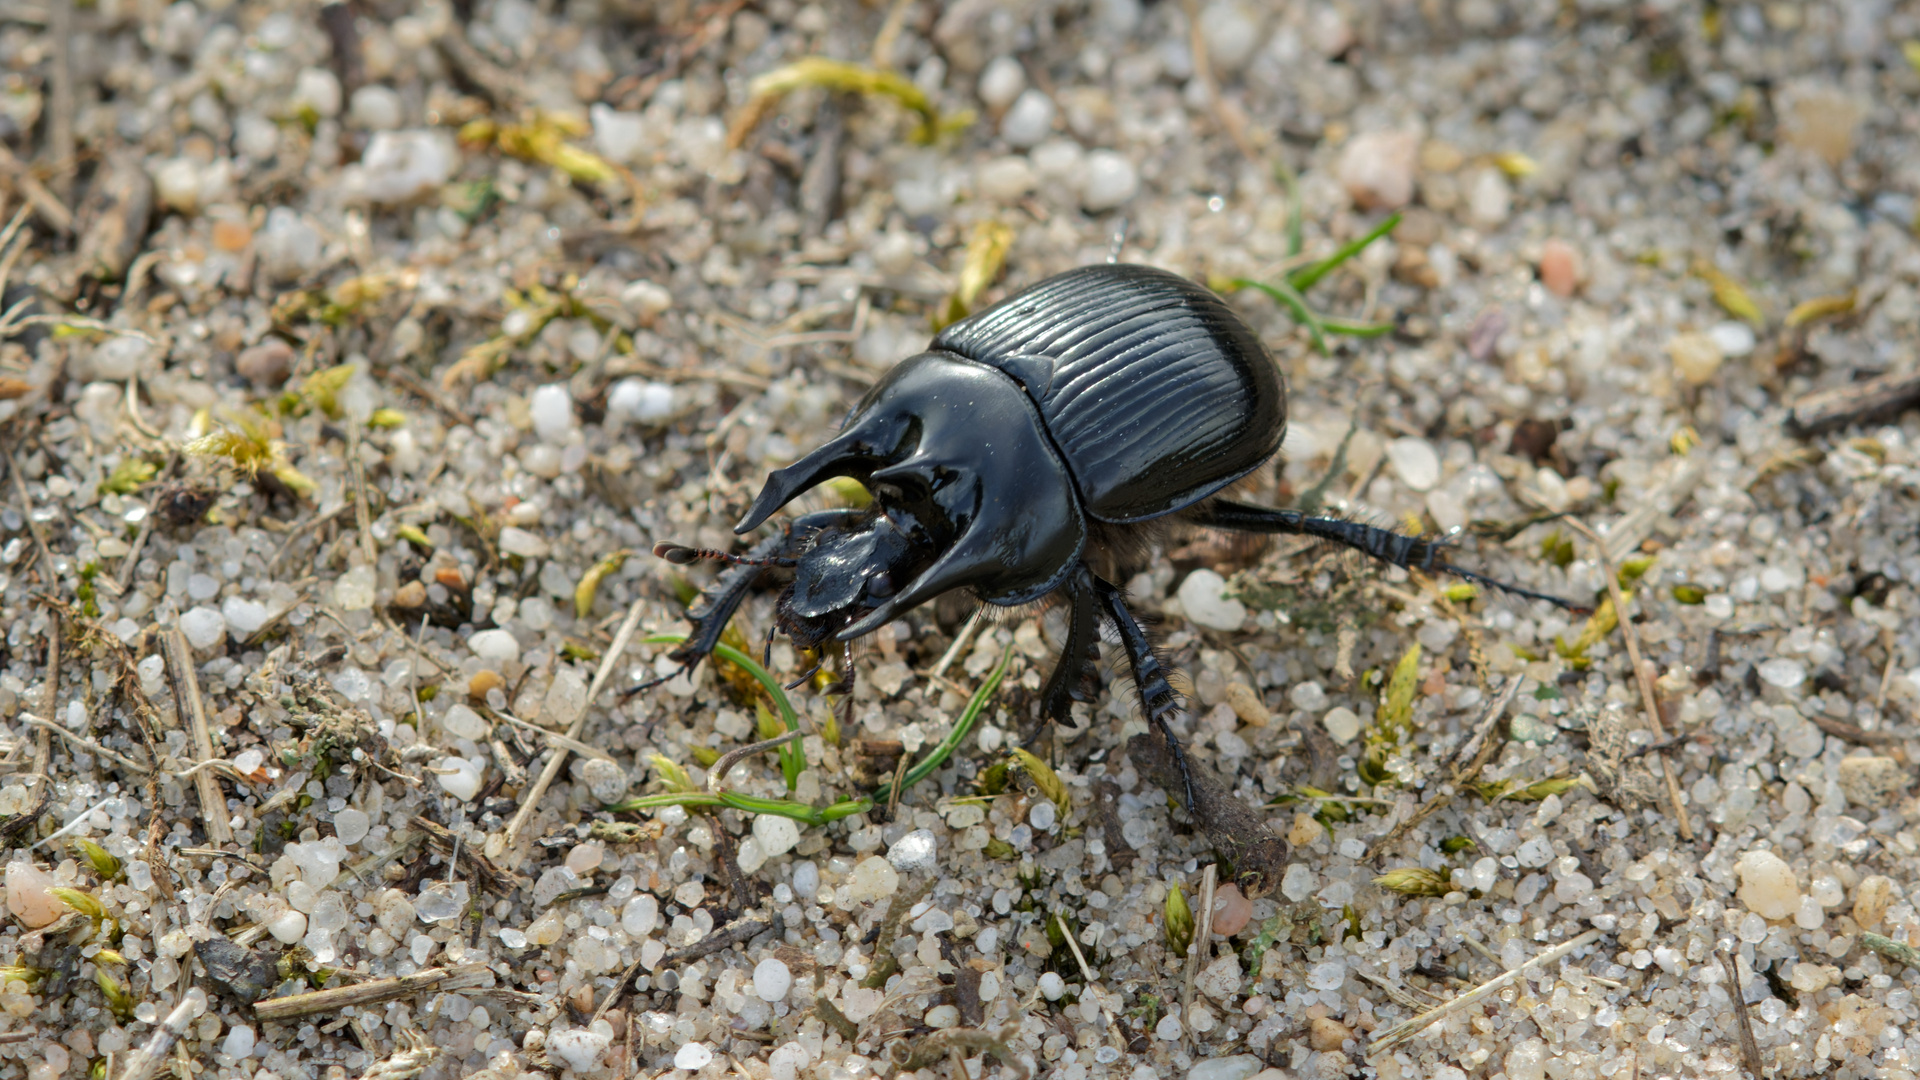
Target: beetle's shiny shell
<point>1160,395</point>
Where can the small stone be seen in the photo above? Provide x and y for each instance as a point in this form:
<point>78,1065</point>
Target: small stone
<point>375,108</point>
<point>584,859</point>
<point>1415,462</point>
<point>552,409</point>
<point>517,541</point>
<point>204,627</point>
<point>462,722</point>
<point>606,780</point>
<point>566,698</point>
<point>1028,121</point>
<point>495,645</point>
<point>29,895</point>
<point>1308,696</point>
<point>1202,600</point>
<point>239,1042</point>
<point>914,852</point>
<point>244,616</point>
<point>288,927</point>
<point>289,248</point>
<point>1871,899</point>
<point>692,1056</point>
<point>1821,118</point>
<point>1305,831</point>
<point>1489,199</point>
<point>1169,1030</point>
<point>581,1048</point>
<point>1005,179</point>
<point>1110,180</point>
<point>642,400</point>
<point>1237,1067</point>
<point>1767,885</point>
<point>1868,781</point>
<point>317,89</point>
<point>1782,672</point>
<point>1002,82</point>
<point>1220,980</point>
<point>399,166</point>
<point>485,681</point>
<point>352,826</point>
<point>771,980</point>
<point>646,299</point>
<point>873,877</point>
<point>620,137</point>
<point>1342,723</point>
<point>1527,1060</point>
<point>459,777</point>
<point>777,835</point>
<point>355,589</point>
<point>942,1016</point>
<point>1377,168</point>
<point>1052,986</point>
<point>1696,357</point>
<point>1231,911</point>
<point>1734,338</point>
<point>267,364</point>
<point>1325,1033</point>
<point>1245,702</point>
<point>1233,30</point>
<point>641,915</point>
<point>1560,269</point>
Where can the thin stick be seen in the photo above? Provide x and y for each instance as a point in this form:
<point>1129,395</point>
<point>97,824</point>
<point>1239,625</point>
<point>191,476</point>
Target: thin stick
<point>1407,1029</point>
<point>574,745</point>
<point>373,992</point>
<point>193,708</point>
<point>60,100</point>
<point>1647,699</point>
<point>1749,1049</point>
<point>733,757</point>
<point>558,759</point>
<point>144,1062</point>
<point>84,743</point>
<point>1201,945</point>
<point>26,510</point>
<point>44,202</point>
<point>43,742</point>
<point>362,516</point>
<point>1113,1024</point>
<point>960,640</point>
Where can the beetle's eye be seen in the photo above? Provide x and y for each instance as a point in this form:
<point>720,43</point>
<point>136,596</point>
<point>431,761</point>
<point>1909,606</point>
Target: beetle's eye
<point>880,585</point>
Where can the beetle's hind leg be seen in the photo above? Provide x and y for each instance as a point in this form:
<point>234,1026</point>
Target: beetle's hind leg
<point>1392,548</point>
<point>1156,693</point>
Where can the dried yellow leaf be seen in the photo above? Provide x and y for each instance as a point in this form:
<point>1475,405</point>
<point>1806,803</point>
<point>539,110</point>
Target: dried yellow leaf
<point>584,592</point>
<point>843,76</point>
<point>1729,293</point>
<point>986,255</point>
<point>1821,307</point>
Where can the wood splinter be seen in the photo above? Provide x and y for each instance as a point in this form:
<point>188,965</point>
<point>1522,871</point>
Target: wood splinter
<point>374,992</point>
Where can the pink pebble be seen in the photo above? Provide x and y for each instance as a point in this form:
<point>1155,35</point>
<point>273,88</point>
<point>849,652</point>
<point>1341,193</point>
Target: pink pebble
<point>1231,910</point>
<point>1559,268</point>
<point>585,858</point>
<point>30,896</point>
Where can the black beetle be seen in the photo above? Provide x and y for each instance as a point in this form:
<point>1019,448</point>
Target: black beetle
<point>1029,452</point>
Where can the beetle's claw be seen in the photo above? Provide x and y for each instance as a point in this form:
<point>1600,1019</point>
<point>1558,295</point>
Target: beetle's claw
<point>685,667</point>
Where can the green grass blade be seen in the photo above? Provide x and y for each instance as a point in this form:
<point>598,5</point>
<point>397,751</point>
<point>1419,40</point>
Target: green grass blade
<point>1307,276</point>
<point>1296,234</point>
<point>1290,296</point>
<point>975,706</point>
<point>1346,328</point>
<point>793,760</point>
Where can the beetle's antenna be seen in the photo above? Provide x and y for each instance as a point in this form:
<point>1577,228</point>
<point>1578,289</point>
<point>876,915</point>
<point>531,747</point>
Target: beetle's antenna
<point>681,555</point>
<point>1118,241</point>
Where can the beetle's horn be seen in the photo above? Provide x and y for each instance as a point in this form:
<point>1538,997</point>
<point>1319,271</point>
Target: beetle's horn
<point>836,457</point>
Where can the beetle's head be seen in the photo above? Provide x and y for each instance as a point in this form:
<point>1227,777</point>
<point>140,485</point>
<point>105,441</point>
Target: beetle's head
<point>968,493</point>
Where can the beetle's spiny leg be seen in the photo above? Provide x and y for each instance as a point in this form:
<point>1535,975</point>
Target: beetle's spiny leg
<point>1392,548</point>
<point>766,654</point>
<point>1156,693</point>
<point>1075,669</point>
<point>801,681</point>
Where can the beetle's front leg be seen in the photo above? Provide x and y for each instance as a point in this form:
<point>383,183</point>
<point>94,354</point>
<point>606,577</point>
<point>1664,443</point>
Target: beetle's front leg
<point>1395,549</point>
<point>715,608</point>
<point>1075,674</point>
<point>1156,693</point>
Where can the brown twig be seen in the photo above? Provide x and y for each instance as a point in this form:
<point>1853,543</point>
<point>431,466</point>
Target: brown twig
<point>1641,675</point>
<point>1854,403</point>
<point>1407,1029</point>
<point>193,709</point>
<point>363,517</point>
<point>1201,945</point>
<point>373,992</point>
<point>1749,1049</point>
<point>45,203</point>
<point>26,508</point>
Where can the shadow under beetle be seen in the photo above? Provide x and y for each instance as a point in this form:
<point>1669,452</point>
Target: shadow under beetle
<point>1030,451</point>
